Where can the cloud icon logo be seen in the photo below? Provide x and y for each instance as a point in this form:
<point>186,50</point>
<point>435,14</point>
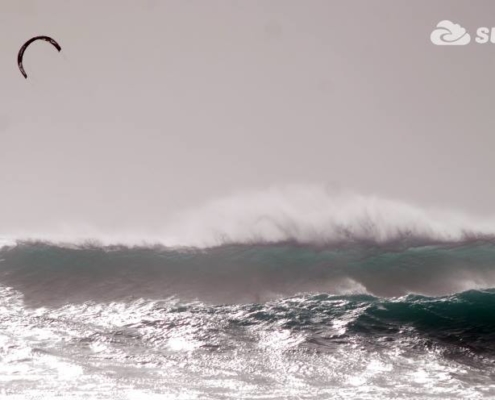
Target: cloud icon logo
<point>447,33</point>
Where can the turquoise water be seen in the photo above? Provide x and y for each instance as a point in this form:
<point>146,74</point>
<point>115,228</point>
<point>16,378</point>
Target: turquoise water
<point>266,321</point>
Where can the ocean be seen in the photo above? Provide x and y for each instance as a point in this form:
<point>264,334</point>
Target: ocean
<point>248,321</point>
<point>278,295</point>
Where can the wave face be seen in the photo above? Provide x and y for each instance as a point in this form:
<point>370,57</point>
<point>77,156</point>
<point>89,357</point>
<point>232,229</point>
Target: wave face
<point>49,274</point>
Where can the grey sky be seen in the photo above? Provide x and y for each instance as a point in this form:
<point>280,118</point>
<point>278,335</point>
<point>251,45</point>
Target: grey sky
<point>154,106</point>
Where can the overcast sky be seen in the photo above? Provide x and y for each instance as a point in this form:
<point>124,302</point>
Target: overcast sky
<point>155,106</point>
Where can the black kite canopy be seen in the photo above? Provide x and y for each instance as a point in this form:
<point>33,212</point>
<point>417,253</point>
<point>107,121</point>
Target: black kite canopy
<point>25,46</point>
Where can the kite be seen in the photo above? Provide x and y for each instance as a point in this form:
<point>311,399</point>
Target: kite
<point>25,46</point>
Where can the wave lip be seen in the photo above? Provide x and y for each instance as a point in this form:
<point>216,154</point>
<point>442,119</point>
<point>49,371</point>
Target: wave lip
<point>304,214</point>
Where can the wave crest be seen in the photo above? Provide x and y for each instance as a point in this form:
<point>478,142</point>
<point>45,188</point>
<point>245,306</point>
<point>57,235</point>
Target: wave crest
<point>305,214</point>
<point>319,215</point>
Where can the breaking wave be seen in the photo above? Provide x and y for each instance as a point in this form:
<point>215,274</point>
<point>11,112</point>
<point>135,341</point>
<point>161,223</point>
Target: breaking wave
<point>305,214</point>
<point>263,245</point>
<point>345,294</point>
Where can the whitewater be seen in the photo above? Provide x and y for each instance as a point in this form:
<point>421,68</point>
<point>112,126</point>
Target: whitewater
<point>295,292</point>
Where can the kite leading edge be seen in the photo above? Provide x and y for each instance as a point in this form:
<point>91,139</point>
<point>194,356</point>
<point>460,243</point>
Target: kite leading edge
<point>25,46</point>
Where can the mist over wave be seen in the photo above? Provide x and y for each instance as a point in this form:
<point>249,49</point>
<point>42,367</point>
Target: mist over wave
<point>306,214</point>
<point>319,215</point>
